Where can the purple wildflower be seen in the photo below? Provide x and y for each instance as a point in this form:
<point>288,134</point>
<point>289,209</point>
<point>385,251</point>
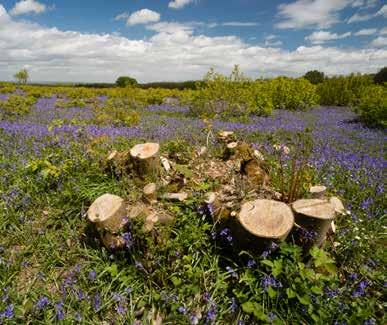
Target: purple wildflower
<point>360,290</point>
<point>92,275</point>
<point>370,321</point>
<point>42,303</point>
<point>211,314</point>
<point>59,310</point>
<point>234,305</point>
<point>251,263</point>
<point>121,309</point>
<point>268,281</point>
<point>231,271</point>
<point>8,312</point>
<point>271,317</point>
<point>128,239</point>
<point>182,310</point>
<point>97,302</point>
<point>193,319</point>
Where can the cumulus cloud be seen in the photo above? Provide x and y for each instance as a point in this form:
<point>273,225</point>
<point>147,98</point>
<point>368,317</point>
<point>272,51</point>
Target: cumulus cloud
<point>382,12</point>
<point>27,7</point>
<point>324,36</point>
<point>379,42</point>
<point>366,32</point>
<point>143,16</point>
<point>357,17</point>
<point>310,13</point>
<point>122,16</point>
<point>272,41</point>
<point>171,54</point>
<point>364,4</point>
<point>178,4</point>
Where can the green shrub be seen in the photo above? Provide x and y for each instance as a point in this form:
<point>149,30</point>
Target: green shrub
<point>381,76</point>
<point>372,106</point>
<point>315,77</point>
<point>343,91</point>
<point>116,112</point>
<point>16,106</point>
<point>230,97</point>
<point>293,94</point>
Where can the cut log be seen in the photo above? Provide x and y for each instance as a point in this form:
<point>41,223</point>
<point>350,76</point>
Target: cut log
<point>202,151</point>
<point>175,196</point>
<point>230,150</point>
<point>226,136</point>
<point>166,164</point>
<point>150,193</point>
<point>337,205</point>
<point>314,215</point>
<point>266,219</point>
<point>146,160</point>
<point>108,212</point>
<point>318,191</point>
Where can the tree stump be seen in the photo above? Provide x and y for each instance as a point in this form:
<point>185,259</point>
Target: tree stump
<point>314,215</point>
<point>146,161</point>
<point>318,191</point>
<point>260,222</point>
<point>150,193</point>
<point>117,163</point>
<point>337,205</point>
<point>108,212</point>
<point>109,215</point>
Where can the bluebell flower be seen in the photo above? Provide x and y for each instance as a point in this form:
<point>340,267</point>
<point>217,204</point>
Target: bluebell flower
<point>182,310</point>
<point>251,263</point>
<point>234,305</point>
<point>42,303</point>
<point>92,275</point>
<point>8,312</point>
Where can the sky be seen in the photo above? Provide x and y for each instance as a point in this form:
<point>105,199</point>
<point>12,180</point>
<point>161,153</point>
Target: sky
<point>174,40</point>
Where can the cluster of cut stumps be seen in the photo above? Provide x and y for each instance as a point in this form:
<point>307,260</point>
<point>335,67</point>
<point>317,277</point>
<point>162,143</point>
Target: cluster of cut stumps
<point>241,200</point>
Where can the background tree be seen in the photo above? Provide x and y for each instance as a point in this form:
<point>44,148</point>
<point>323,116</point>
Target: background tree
<point>125,81</point>
<point>22,76</point>
<point>381,76</point>
<point>315,76</point>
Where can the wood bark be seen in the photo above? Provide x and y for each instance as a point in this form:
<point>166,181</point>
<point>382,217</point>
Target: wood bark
<point>146,160</point>
<point>314,215</point>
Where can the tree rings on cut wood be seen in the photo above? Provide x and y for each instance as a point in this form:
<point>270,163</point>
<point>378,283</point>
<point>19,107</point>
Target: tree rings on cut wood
<point>146,159</point>
<point>108,212</point>
<point>318,191</point>
<point>314,215</point>
<point>266,219</point>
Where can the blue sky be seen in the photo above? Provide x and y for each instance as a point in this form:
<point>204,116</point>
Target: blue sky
<point>97,40</point>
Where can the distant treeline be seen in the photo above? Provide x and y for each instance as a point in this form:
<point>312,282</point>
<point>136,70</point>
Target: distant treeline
<point>163,84</point>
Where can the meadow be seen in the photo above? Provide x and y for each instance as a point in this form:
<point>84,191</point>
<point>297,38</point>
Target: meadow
<point>53,144</point>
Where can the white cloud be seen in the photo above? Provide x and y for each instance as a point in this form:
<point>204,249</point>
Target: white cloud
<point>379,41</point>
<point>364,4</point>
<point>122,16</point>
<point>272,41</point>
<point>26,7</point>
<point>357,17</point>
<point>324,36</point>
<point>366,32</point>
<point>383,31</point>
<point>143,16</point>
<point>178,4</point>
<point>173,53</point>
<point>310,13</point>
<point>382,12</point>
